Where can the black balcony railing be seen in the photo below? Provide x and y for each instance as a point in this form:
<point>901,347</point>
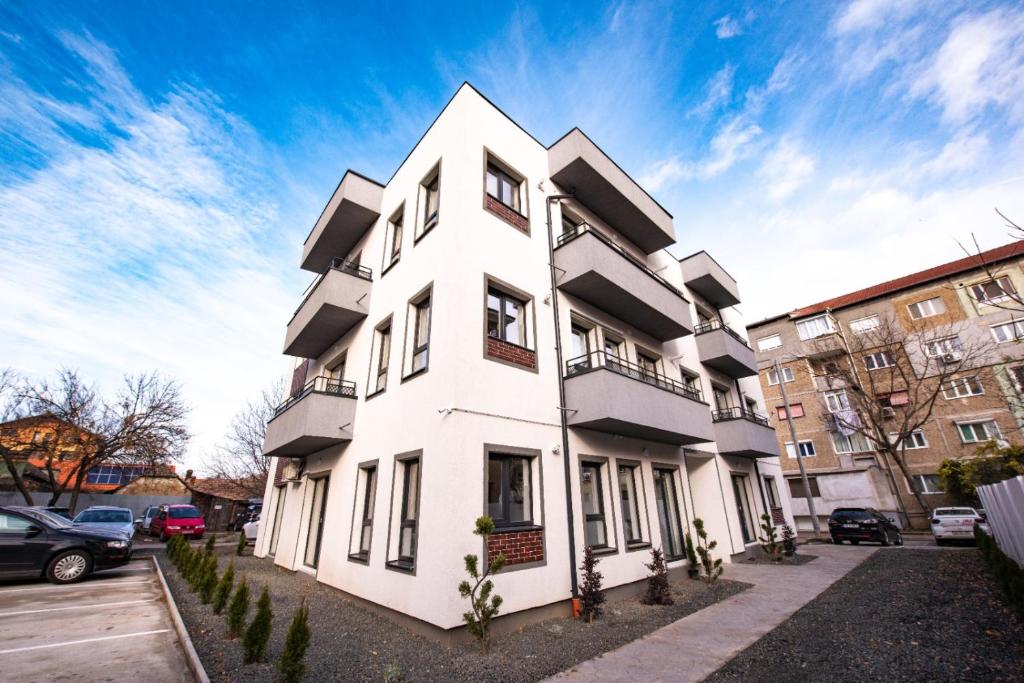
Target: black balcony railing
<point>584,228</point>
<point>339,264</point>
<point>712,325</point>
<point>318,385</point>
<point>726,414</point>
<point>600,360</point>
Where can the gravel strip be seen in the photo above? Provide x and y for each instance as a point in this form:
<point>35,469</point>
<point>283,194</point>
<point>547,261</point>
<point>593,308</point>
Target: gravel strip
<point>352,643</point>
<point>763,558</point>
<point>903,615</point>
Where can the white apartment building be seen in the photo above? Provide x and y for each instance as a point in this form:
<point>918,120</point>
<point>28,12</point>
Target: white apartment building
<point>432,351</point>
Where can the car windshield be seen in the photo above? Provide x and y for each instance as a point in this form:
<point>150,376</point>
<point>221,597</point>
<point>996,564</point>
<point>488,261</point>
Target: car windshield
<point>955,512</point>
<point>104,517</point>
<point>187,512</point>
<point>851,514</point>
<point>47,517</point>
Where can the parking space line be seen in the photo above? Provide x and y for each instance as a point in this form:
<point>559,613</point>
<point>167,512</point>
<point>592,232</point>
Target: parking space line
<point>87,584</point>
<point>61,609</point>
<point>87,640</point>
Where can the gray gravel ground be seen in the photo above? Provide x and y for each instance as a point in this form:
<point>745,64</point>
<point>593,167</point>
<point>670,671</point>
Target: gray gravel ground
<point>903,615</point>
<point>350,643</point>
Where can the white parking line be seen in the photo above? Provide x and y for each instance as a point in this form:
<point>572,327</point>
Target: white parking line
<point>147,568</point>
<point>89,584</point>
<point>61,609</point>
<point>87,640</point>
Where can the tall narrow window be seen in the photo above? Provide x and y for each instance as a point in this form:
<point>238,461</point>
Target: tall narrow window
<point>771,491</point>
<point>506,317</point>
<point>509,495</point>
<point>668,513</point>
<point>316,522</point>
<point>595,533</point>
<point>396,227</point>
<point>417,334</point>
<point>580,357</point>
<point>383,356</point>
<point>648,366</point>
<point>431,197</point>
<point>369,500</point>
<point>409,513</point>
<point>743,509</point>
<point>631,529</point>
<point>503,187</point>
<point>723,400</point>
<point>275,530</point>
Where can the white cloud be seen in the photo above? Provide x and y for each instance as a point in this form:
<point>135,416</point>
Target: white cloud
<point>727,27</point>
<point>718,92</point>
<point>785,168</point>
<point>965,151</point>
<point>869,14</point>
<point>731,143</point>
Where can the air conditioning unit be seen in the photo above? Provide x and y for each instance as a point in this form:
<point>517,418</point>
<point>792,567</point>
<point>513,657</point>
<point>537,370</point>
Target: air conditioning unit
<point>950,358</point>
<point>293,469</point>
<point>888,411</point>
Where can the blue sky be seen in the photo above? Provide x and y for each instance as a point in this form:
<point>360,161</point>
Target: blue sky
<point>160,164</point>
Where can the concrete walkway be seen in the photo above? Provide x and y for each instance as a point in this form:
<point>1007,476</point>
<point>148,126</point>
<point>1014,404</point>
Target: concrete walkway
<point>694,647</point>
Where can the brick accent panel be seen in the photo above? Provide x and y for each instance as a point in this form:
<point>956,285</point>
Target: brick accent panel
<point>502,350</point>
<point>510,216</point>
<point>279,471</point>
<point>518,547</point>
<point>778,518</point>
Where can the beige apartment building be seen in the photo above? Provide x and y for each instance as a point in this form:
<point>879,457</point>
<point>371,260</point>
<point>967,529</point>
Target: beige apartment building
<point>975,300</point>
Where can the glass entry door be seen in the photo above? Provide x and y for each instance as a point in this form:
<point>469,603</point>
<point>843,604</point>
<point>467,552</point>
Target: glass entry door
<point>316,522</point>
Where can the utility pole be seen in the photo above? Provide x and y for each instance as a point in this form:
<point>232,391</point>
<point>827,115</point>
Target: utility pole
<point>796,450</point>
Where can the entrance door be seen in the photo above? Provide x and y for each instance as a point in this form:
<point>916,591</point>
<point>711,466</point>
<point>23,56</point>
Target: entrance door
<point>668,513</point>
<point>316,522</point>
<point>275,532</point>
<point>743,509</point>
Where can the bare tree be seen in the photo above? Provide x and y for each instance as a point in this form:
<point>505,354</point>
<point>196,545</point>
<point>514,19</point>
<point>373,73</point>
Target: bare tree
<point>12,444</point>
<point>886,398</point>
<point>239,458</point>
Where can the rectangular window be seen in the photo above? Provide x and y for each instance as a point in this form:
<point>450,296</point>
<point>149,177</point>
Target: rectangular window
<point>409,471</point>
<point>393,238</point>
<point>668,513</point>
<point>893,399</point>
<point>275,530</point>
<point>369,476</point>
<point>797,408</point>
<point>914,440</point>
<point>429,201</point>
<point>506,317</point>
<point>503,187</point>
<point>941,347</point>
<point>806,449</point>
<point>976,432</point>
<point>691,380</point>
<point>852,443</point>
<point>992,291</point>
<point>865,324</point>
<point>879,360</point>
<point>771,491</point>
<point>928,483</point>
<point>614,347</point>
<point>632,529</point>
<point>927,308</point>
<point>418,329</point>
<point>770,342</point>
<point>509,494</point>
<point>579,337</point>
<point>962,387</point>
<point>773,377</point>
<point>796,487</point>
<point>1016,374</point>
<point>648,365</point>
<point>595,532</point>
<point>814,327</point>
<point>836,401</point>
<point>1008,331</point>
<point>314,535</point>
<point>723,400</point>
<point>743,509</point>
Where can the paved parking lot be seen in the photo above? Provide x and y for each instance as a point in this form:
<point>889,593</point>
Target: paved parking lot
<point>113,626</point>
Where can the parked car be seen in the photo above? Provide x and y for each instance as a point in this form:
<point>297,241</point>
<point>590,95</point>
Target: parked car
<point>956,524</point>
<point>55,509</point>
<point>862,524</point>
<point>251,530</point>
<point>147,517</point>
<point>37,543</point>
<point>115,519</point>
<point>249,513</point>
<point>174,520</point>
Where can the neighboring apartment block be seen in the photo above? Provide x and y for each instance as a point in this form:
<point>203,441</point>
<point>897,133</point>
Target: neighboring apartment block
<point>975,299</point>
<point>453,308</point>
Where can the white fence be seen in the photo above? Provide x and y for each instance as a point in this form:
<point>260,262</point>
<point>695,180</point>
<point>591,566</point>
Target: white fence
<point>1004,506</point>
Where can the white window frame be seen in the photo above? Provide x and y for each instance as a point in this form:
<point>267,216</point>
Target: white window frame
<point>928,311</point>
<point>915,441</point>
<point>940,347</point>
<point>851,446</point>
<point>865,324</point>
<point>807,449</point>
<point>1002,282</point>
<point>962,387</point>
<point>1017,326</point>
<point>787,376</point>
<point>836,396</point>
<point>803,326</point>
<point>974,424</point>
<point>924,489</point>
<point>871,360</point>
<point>772,341</point>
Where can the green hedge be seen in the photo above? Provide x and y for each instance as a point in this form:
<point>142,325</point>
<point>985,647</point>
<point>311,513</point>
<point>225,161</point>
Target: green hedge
<point>1006,571</point>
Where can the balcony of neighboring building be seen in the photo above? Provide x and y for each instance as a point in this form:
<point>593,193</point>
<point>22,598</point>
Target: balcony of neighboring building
<point>579,166</point>
<point>318,416</point>
<point>352,210</point>
<point>823,346</point>
<point>744,433</point>
<point>602,273</point>
<point>615,396</point>
<point>703,275</point>
<point>722,348</point>
<point>333,305</point>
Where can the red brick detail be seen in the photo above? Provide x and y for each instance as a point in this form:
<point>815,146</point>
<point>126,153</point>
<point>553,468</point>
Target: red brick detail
<point>777,517</point>
<point>507,214</point>
<point>502,350</point>
<point>279,471</point>
<point>518,547</point>
<point>299,377</point>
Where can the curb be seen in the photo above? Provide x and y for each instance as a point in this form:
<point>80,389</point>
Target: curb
<point>179,626</point>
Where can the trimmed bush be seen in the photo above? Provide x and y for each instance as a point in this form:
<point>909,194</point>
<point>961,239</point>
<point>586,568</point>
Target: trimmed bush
<point>770,541</point>
<point>222,593</point>
<point>208,579</point>
<point>291,665</point>
<point>712,567</point>
<point>1007,572</point>
<point>692,569</point>
<point>788,541</point>
<point>658,590</point>
<point>242,542</point>
<point>591,595</point>
<point>210,540</point>
<point>484,605</point>
<point>238,610</point>
<point>254,642</point>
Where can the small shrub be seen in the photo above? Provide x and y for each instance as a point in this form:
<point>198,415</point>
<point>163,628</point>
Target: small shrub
<point>591,595</point>
<point>692,570</point>
<point>658,590</point>
<point>291,665</point>
<point>254,642</point>
<point>393,673</point>
<point>712,567</point>
<point>484,606</point>
<point>770,541</point>
<point>210,540</point>
<point>238,609</point>
<point>208,579</point>
<point>222,593</point>
<point>240,548</point>
<point>788,541</point>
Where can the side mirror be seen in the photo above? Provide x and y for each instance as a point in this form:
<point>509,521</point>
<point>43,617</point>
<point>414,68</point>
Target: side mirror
<point>33,531</point>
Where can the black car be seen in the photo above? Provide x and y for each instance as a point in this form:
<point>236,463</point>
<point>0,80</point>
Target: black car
<point>862,524</point>
<point>37,543</point>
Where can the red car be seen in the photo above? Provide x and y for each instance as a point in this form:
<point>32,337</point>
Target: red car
<point>173,520</point>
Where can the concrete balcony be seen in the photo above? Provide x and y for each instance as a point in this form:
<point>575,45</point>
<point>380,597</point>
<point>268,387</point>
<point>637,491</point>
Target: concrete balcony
<point>352,210</point>
<point>823,346</point>
<point>703,275</point>
<point>581,167</point>
<point>609,395</point>
<point>598,271</point>
<point>744,433</point>
<point>333,305</point>
<point>318,416</point>
<point>721,348</point>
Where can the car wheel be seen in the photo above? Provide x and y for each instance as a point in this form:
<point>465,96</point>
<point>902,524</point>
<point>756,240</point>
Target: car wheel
<point>899,538</point>
<point>837,541</point>
<point>885,538</point>
<point>854,541</point>
<point>939,541</point>
<point>69,567</point>
<point>163,537</point>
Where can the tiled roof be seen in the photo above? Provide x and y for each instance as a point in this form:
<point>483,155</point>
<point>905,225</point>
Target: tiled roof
<point>973,262</point>
<point>220,488</point>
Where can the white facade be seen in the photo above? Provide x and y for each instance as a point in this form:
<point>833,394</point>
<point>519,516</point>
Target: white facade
<point>467,404</point>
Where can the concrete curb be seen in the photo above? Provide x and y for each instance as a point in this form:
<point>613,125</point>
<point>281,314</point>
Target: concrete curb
<point>179,626</point>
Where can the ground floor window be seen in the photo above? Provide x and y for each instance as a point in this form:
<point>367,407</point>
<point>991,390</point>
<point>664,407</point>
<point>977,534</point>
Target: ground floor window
<point>743,508</point>
<point>668,512</point>
<point>366,501</point>
<point>632,530</point>
<point>928,483</point>
<point>316,522</point>
<point>410,512</point>
<point>509,490</point>
<point>275,530</point>
<point>772,491</point>
<point>595,531</point>
<point>796,487</point>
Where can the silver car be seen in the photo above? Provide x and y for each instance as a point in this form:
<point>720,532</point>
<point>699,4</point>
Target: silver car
<point>955,524</point>
<point>109,518</point>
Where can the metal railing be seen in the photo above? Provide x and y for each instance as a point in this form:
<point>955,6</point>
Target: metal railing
<point>318,385</point>
<point>712,325</point>
<point>339,264</point>
<point>737,413</point>
<point>584,228</point>
<point>600,360</point>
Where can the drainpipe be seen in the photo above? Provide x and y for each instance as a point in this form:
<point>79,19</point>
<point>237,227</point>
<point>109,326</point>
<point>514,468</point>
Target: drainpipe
<point>553,199</point>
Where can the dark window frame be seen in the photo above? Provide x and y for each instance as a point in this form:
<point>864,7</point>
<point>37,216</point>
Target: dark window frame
<point>503,178</point>
<point>600,515</point>
<point>405,563</point>
<point>504,296</point>
<point>506,459</point>
<point>671,553</point>
<point>366,524</point>
<point>634,469</point>
<point>322,519</point>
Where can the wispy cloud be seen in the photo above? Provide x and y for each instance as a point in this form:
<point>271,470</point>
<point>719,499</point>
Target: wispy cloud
<point>785,168</point>
<point>718,92</point>
<point>727,27</point>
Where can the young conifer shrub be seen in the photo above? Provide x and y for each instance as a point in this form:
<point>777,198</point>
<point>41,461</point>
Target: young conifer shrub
<point>240,548</point>
<point>222,592</point>
<point>770,541</point>
<point>238,609</point>
<point>591,595</point>
<point>291,666</point>
<point>254,642</point>
<point>484,606</point>
<point>210,540</point>
<point>658,590</point>
<point>712,567</point>
<point>208,579</point>
<point>788,541</point>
